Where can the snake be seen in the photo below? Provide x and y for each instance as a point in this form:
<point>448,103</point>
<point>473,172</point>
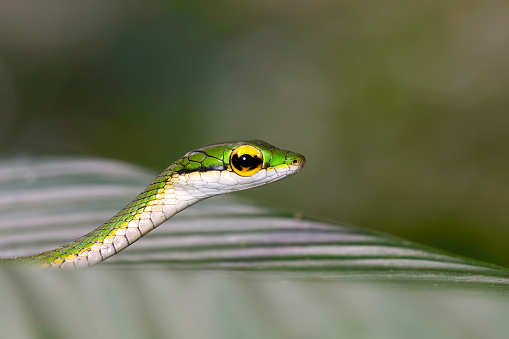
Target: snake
<point>205,172</point>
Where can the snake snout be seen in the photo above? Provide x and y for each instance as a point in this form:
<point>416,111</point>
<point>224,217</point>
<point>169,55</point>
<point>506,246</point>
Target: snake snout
<point>296,159</point>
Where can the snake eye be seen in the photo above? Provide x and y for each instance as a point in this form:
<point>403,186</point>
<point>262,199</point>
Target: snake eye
<point>246,160</point>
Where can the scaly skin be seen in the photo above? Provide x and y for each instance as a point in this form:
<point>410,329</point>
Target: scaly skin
<point>199,174</point>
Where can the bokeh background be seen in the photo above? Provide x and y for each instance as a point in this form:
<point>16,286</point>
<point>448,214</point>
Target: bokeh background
<point>401,107</point>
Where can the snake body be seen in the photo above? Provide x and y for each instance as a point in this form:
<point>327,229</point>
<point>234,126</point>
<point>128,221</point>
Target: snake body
<point>199,174</point>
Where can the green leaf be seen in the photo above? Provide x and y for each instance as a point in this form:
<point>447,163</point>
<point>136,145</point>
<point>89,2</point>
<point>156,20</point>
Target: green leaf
<point>225,268</point>
<point>49,201</point>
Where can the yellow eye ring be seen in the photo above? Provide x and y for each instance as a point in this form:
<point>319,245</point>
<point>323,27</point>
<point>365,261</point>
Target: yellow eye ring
<point>246,160</point>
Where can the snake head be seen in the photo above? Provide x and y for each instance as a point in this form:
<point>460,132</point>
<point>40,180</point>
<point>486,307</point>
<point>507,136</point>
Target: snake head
<point>233,166</point>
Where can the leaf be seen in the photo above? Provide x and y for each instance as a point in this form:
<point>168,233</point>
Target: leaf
<point>225,268</point>
<point>46,202</point>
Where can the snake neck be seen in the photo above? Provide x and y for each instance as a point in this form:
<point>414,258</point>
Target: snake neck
<point>162,199</point>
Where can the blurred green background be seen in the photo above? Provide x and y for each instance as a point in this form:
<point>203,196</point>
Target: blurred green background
<point>401,108</point>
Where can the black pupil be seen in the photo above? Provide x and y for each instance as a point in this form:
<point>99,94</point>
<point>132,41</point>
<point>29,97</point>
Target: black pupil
<point>245,162</point>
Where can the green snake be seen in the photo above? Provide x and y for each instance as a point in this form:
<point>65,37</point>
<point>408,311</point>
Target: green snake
<point>199,174</point>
